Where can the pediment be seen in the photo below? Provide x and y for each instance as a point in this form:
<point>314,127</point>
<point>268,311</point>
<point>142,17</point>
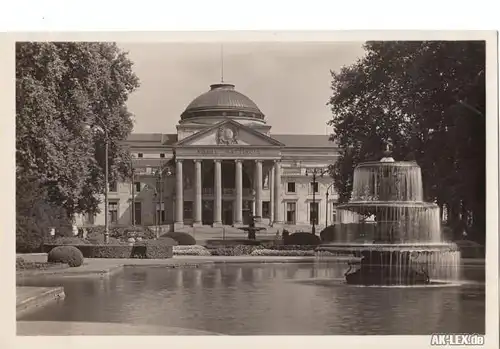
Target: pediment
<point>228,133</point>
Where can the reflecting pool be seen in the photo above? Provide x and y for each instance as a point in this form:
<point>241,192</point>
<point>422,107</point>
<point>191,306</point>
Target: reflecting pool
<point>270,299</point>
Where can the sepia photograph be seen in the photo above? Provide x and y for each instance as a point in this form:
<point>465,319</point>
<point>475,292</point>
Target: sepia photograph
<point>253,188</point>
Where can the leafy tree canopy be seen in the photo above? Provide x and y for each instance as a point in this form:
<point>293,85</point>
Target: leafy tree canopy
<point>429,99</point>
<point>61,89</point>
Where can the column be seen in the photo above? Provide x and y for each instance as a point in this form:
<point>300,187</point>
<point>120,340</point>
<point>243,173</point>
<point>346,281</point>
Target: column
<point>277,193</point>
<point>179,197</point>
<point>238,205</point>
<point>258,188</point>
<point>217,193</point>
<point>271,196</point>
<point>197,192</point>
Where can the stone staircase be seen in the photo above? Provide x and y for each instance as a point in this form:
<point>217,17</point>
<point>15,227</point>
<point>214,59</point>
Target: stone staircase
<point>229,232</point>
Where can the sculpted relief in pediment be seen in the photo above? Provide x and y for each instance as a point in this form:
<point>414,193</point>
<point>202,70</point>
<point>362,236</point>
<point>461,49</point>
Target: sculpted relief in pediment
<point>227,135</point>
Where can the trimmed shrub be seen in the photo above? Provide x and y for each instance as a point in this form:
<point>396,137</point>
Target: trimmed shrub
<point>66,254</point>
<point>181,238</point>
<point>328,234</point>
<point>354,232</point>
<point>302,238</point>
<point>470,249</point>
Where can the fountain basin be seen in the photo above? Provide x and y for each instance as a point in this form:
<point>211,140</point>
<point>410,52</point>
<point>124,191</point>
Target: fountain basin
<point>398,264</point>
<point>352,248</point>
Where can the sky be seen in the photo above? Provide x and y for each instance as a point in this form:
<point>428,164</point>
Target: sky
<point>289,82</point>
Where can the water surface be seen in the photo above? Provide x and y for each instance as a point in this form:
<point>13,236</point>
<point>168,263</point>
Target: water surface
<point>269,299</point>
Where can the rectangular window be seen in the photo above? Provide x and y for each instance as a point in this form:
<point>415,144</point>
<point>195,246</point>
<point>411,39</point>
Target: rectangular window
<point>160,213</point>
<point>290,212</point>
<point>137,187</point>
<point>334,212</point>
<point>313,212</point>
<point>113,212</point>
<point>139,155</point>
<point>89,219</point>
<point>266,209</point>
<point>314,187</point>
<point>113,187</point>
<point>290,187</point>
<point>138,213</point>
<point>162,155</point>
<point>188,210</point>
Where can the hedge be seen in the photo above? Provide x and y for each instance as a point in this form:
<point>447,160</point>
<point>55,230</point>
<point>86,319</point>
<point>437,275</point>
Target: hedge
<point>154,249</point>
<point>470,249</point>
<point>119,232</point>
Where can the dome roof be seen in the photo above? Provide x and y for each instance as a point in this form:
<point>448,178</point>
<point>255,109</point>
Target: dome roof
<point>222,100</point>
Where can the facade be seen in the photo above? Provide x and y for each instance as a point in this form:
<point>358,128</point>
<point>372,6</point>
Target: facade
<point>223,166</point>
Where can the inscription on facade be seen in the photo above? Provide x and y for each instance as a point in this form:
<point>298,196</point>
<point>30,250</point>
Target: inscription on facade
<point>229,151</point>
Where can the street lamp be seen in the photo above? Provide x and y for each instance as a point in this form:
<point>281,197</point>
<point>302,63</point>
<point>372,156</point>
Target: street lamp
<point>315,172</point>
<point>327,212</point>
<point>133,189</point>
<point>104,129</point>
<point>159,177</point>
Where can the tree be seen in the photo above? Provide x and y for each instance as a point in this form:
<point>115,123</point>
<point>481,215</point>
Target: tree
<point>429,98</point>
<point>60,88</point>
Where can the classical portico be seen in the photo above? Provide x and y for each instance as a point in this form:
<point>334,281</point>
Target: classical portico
<point>221,197</point>
<point>230,164</point>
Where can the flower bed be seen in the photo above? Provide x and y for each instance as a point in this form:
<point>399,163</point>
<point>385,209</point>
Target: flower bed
<point>292,247</point>
<point>240,250</point>
<point>287,253</point>
<point>192,250</point>
<point>23,265</point>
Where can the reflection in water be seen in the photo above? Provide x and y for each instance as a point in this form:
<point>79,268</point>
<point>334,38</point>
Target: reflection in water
<point>267,299</point>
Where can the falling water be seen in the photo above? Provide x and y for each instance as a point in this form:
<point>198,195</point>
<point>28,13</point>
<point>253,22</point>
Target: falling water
<point>388,218</point>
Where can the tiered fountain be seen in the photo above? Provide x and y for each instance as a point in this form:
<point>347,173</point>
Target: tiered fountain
<point>387,223</point>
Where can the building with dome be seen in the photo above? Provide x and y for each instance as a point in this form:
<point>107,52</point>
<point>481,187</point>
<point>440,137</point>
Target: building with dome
<point>223,166</point>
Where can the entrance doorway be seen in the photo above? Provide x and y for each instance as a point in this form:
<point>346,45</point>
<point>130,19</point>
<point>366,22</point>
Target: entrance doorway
<point>207,215</point>
<point>227,212</point>
<point>247,211</point>
<point>290,213</point>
